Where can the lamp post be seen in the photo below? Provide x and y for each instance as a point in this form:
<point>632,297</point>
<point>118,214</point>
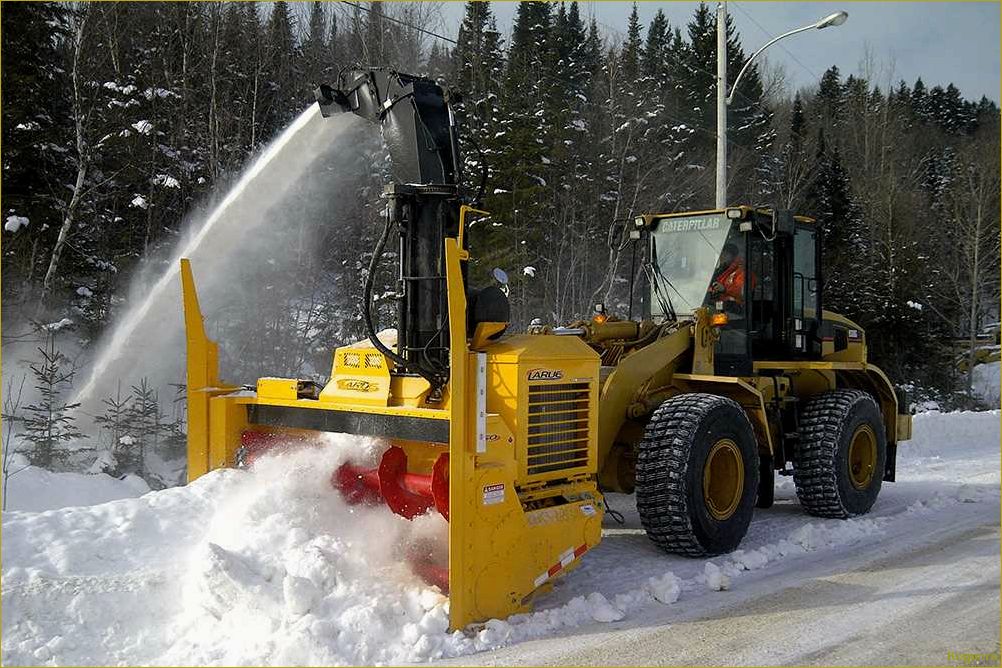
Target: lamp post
<point>724,99</point>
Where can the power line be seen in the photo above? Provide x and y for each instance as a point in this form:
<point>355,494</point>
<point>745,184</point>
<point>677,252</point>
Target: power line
<point>782,46</point>
<point>403,23</point>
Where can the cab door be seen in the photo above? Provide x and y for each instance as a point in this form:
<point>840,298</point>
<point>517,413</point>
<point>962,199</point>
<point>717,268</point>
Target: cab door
<point>805,313</point>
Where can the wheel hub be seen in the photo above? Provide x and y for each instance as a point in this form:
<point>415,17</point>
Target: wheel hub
<point>862,456</point>
<point>723,479</point>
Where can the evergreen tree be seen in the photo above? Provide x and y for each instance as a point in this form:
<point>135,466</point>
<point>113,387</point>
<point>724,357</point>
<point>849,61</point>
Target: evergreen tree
<point>657,48</point>
<point>34,134</point>
<point>630,59</point>
<point>830,96</point>
<point>116,416</point>
<point>316,52</point>
<point>282,68</point>
<point>146,426</point>
<point>49,421</point>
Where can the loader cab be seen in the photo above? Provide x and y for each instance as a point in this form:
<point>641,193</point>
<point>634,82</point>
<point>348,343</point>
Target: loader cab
<point>760,269</point>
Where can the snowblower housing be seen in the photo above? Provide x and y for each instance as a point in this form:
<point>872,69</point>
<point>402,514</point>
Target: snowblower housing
<point>498,437</point>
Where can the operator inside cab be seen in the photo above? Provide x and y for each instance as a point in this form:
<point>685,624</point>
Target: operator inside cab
<point>728,283</point>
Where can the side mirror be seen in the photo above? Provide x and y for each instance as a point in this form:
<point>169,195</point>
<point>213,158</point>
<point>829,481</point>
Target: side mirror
<point>502,278</point>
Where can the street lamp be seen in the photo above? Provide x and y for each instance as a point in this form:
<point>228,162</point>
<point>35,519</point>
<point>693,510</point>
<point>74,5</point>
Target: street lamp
<point>723,99</point>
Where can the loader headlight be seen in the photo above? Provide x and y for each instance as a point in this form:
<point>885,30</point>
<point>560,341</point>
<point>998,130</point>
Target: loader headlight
<point>735,214</point>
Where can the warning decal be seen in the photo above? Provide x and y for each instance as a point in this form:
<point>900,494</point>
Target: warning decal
<point>493,494</point>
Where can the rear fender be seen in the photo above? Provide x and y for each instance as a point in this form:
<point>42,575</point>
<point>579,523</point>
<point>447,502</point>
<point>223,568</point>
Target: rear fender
<point>897,421</point>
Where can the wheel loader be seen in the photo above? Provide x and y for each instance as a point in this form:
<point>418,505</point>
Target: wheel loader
<point>732,372</point>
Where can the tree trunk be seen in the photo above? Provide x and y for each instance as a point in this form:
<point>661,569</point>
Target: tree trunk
<point>83,162</point>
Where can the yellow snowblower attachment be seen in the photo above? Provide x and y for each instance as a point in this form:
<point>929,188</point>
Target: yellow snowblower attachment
<point>507,454</point>
<point>496,435</point>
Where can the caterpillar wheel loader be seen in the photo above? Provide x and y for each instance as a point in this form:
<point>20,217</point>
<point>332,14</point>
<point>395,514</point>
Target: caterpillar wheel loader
<point>730,374</point>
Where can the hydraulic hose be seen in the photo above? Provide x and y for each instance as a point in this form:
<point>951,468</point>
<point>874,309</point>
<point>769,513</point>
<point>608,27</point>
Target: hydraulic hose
<point>370,330</point>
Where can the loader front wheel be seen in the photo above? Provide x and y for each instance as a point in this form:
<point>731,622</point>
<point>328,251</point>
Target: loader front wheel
<point>697,475</point>
<point>838,463</point>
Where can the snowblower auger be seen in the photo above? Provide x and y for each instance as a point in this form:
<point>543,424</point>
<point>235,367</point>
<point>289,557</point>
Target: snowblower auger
<point>497,436</point>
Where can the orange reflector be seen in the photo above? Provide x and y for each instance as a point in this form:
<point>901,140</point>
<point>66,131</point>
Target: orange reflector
<point>600,318</point>
<point>718,319</point>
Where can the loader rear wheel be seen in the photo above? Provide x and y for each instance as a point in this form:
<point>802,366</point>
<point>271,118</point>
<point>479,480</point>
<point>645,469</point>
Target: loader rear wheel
<point>838,463</point>
<point>697,475</point>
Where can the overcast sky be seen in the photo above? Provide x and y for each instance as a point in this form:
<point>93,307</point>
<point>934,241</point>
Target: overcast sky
<point>942,42</point>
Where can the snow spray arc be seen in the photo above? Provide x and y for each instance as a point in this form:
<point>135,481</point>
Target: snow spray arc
<point>288,186</point>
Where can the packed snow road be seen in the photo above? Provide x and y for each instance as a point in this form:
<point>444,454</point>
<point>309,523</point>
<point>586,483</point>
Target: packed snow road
<point>271,568</point>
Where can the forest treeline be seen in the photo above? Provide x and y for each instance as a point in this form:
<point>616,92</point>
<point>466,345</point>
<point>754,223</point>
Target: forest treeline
<point>118,118</point>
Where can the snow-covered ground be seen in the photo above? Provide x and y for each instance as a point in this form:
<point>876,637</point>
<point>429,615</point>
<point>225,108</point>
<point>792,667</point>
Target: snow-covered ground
<point>271,567</point>
<point>987,381</point>
<point>36,489</point>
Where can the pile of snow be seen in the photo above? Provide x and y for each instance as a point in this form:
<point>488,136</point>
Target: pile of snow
<point>272,567</point>
<point>236,568</point>
<point>961,433</point>
<point>268,566</point>
<point>34,489</point>
<point>986,382</point>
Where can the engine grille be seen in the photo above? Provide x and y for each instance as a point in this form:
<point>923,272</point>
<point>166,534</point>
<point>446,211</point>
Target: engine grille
<point>558,427</point>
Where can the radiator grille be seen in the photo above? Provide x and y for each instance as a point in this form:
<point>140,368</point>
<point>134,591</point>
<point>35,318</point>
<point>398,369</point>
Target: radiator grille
<point>352,360</point>
<point>558,427</point>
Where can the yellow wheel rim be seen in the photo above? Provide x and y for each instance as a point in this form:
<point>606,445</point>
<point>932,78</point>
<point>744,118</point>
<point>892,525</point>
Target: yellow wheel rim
<point>862,456</point>
<point>723,479</point>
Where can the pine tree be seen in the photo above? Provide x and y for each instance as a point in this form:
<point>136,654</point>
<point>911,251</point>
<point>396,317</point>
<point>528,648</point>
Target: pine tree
<point>49,422</point>
<point>656,52</point>
<point>34,134</point>
<point>116,416</point>
<point>146,426</point>
<point>315,47</point>
<point>830,96</point>
<point>630,58</point>
<point>920,100</point>
<point>282,68</point>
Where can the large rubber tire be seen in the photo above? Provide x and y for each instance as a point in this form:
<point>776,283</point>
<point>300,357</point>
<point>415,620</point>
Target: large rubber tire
<point>671,461</point>
<point>828,484</point>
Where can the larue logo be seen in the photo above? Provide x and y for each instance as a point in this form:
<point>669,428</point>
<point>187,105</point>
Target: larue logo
<point>545,374</point>
<point>356,385</point>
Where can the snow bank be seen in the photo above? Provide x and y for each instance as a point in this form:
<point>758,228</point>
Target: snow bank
<point>271,567</point>
<point>236,568</point>
<point>986,382</point>
<point>952,434</point>
<point>34,489</point>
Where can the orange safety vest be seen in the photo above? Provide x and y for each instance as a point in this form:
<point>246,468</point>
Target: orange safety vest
<point>733,280</point>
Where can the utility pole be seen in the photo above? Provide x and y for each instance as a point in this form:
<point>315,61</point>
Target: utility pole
<point>723,99</point>
<point>721,190</point>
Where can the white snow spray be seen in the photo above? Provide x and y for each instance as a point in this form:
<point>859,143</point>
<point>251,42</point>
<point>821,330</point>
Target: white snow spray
<point>285,194</point>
